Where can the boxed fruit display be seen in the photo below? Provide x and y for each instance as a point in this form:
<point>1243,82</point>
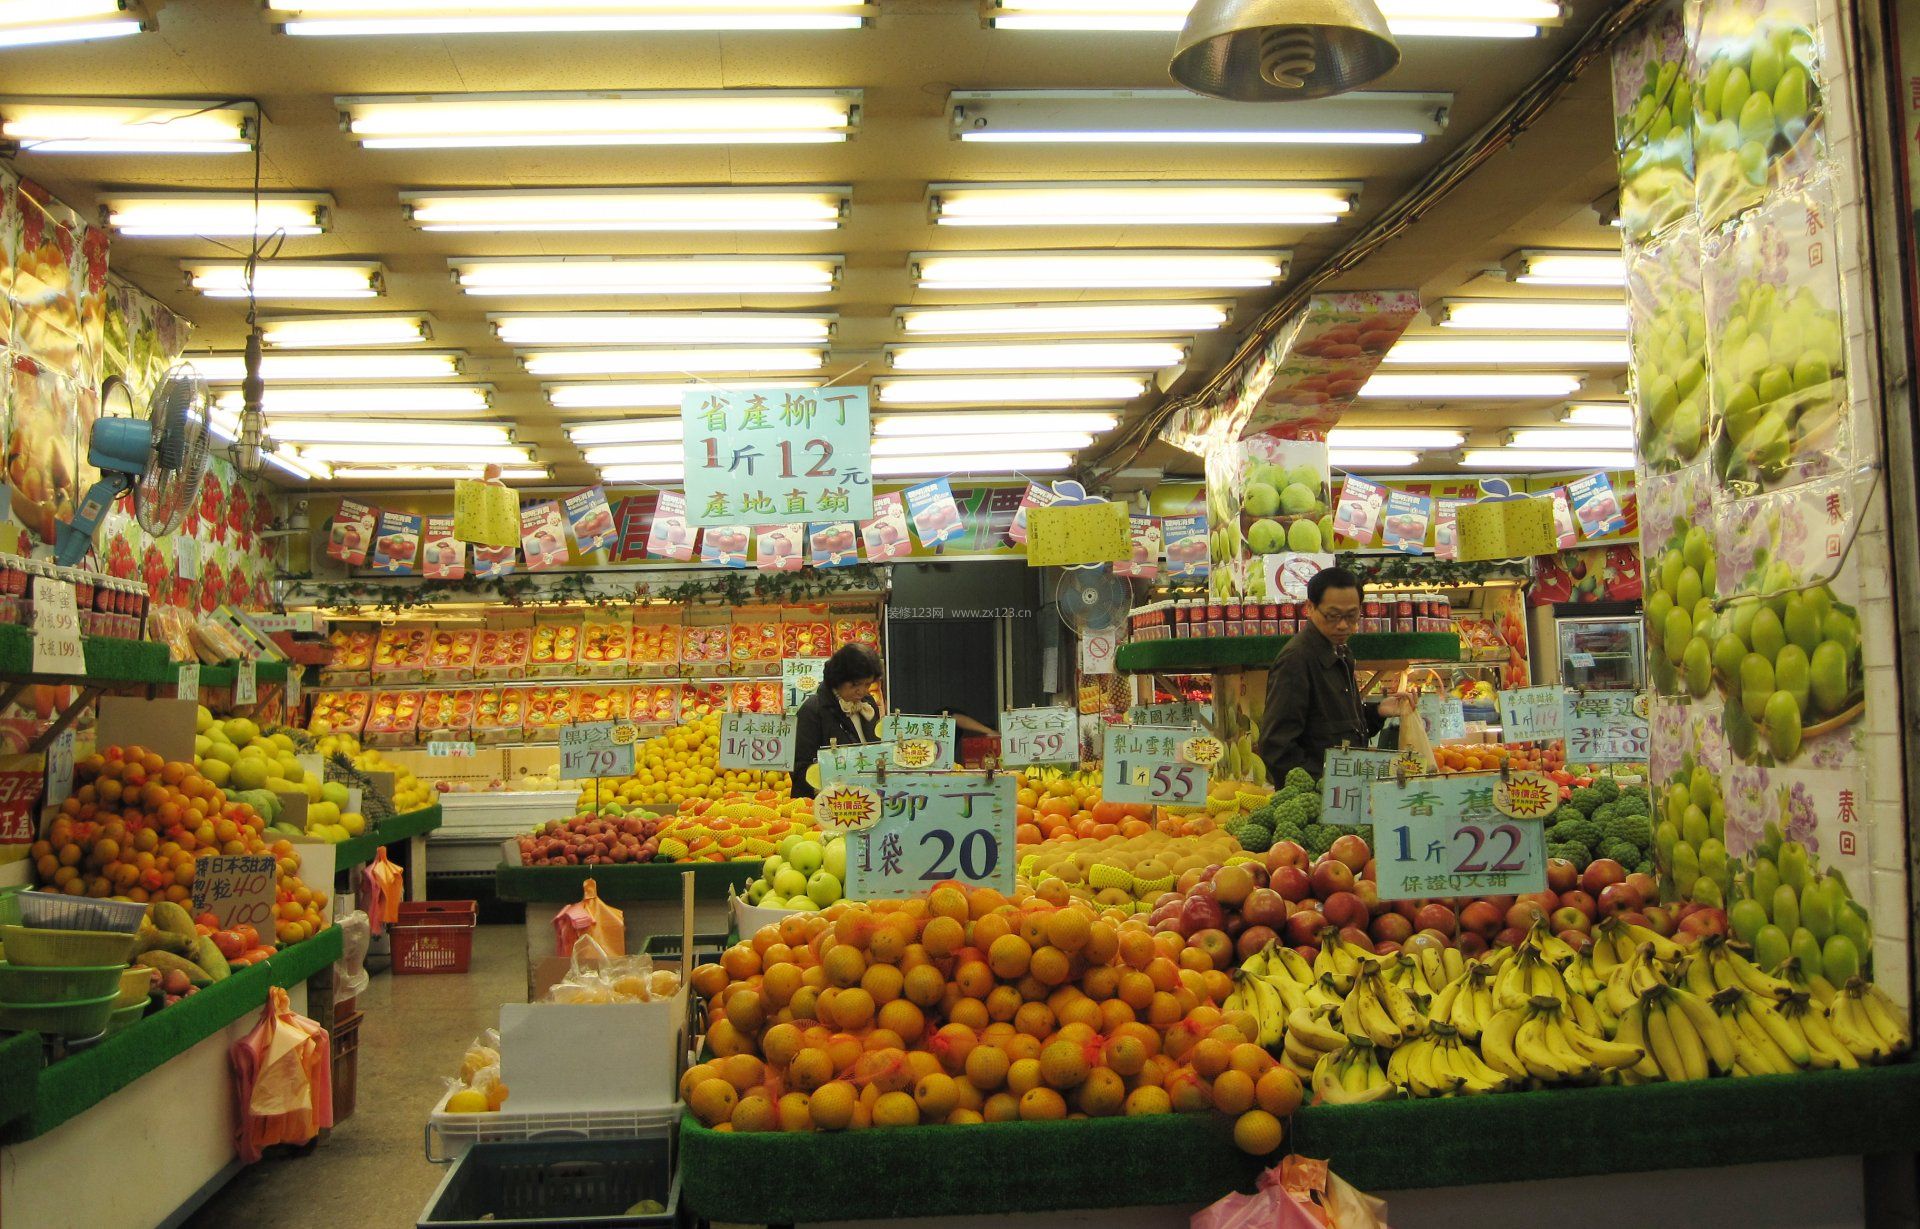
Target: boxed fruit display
<point>341,712</point>
<point>701,698</point>
<point>655,647</point>
<point>603,650</point>
<point>394,718</point>
<point>601,703</point>
<point>502,653</point>
<point>352,655</point>
<point>400,654</point>
<point>548,708</point>
<point>806,637</point>
<point>555,649</point>
<point>855,630</point>
<point>445,712</point>
<point>451,655</point>
<point>756,640</point>
<point>499,716</point>
<point>705,644</point>
<point>656,703</point>
<point>762,696</point>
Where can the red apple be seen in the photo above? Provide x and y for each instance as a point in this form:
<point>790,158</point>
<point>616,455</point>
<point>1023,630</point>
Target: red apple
<point>1567,918</point>
<point>1358,937</point>
<point>1332,876</point>
<point>1304,926</point>
<point>1703,922</point>
<point>1660,918</point>
<point>1524,914</point>
<point>1201,913</point>
<point>1185,883</point>
<point>1645,884</point>
<point>1345,909</point>
<point>1385,948</point>
<point>1578,940</point>
<point>1368,873</point>
<point>1581,901</point>
<point>1632,918</point>
<point>1265,907</point>
<point>1292,883</point>
<point>1369,894</point>
<point>1429,938</point>
<point>1437,917</point>
<point>1601,873</point>
<point>1562,874</point>
<point>1512,936</point>
<point>1548,901</point>
<point>1216,944</point>
<point>1407,907</point>
<point>1353,851</point>
<point>1287,853</point>
<point>1620,898</point>
<point>1502,903</point>
<point>1254,939</point>
<point>1305,952</point>
<point>1391,928</point>
<point>1471,943</point>
<point>1482,918</point>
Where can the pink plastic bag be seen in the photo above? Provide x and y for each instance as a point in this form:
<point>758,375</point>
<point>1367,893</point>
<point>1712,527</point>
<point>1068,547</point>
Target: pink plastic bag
<point>382,887</point>
<point>282,1080</point>
<point>1298,1193</point>
<point>590,916</point>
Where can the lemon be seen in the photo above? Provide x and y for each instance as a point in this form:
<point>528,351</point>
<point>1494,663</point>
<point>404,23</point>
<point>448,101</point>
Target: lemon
<point>467,1101</point>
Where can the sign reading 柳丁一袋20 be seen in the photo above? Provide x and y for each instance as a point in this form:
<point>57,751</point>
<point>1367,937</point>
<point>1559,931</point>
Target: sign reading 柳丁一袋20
<point>777,455</point>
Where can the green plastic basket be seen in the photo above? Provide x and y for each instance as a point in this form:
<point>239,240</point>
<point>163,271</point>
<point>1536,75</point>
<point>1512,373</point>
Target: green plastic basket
<point>65,949</point>
<point>136,984</point>
<point>124,1017</point>
<point>21,983</point>
<point>81,1018</point>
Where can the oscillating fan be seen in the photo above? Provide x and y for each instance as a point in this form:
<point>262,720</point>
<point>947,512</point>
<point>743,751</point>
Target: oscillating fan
<point>1092,599</point>
<point>160,459</point>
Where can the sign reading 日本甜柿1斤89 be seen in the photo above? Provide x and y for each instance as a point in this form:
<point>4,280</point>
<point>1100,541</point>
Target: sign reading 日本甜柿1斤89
<point>777,455</point>
<point>1444,836</point>
<point>934,828</point>
<point>762,741</point>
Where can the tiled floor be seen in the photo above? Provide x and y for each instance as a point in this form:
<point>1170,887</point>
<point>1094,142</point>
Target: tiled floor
<point>371,1172</point>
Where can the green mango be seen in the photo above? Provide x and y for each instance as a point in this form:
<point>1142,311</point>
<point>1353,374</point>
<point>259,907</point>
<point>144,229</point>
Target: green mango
<point>1790,674</point>
<point>1791,858</point>
<point>1696,665</point>
<point>1839,959</point>
<point>1784,724</point>
<point>1659,606</point>
<point>1852,925</point>
<point>1686,868</point>
<point>1693,828</point>
<point>1806,949</point>
<point>1756,685</point>
<point>1671,566</point>
<point>1664,838</point>
<point>1766,635</point>
<point>1756,119</point>
<point>1801,622</point>
<point>1782,907</point>
<point>1676,801</point>
<point>1740,730</point>
<point>1840,628</point>
<point>1728,654</point>
<point>1706,891</point>
<point>1752,161</point>
<point>1830,678</point>
<point>1717,820</point>
<point>1678,631</point>
<point>1771,948</point>
<point>1703,788</point>
<point>1775,384</point>
<point>1764,69</point>
<point>1816,912</point>
<point>1734,93</point>
<point>1746,917</point>
<point>1790,101</point>
<point>1707,102</point>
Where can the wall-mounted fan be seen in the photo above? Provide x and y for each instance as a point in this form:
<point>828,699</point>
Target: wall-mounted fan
<point>161,459</point>
<point>1092,599</point>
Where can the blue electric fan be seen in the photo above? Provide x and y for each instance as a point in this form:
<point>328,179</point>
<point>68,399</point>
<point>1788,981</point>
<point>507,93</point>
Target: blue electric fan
<point>160,458</point>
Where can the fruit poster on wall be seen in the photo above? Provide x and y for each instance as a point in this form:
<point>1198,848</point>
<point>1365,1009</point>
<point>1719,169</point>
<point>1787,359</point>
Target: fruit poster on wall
<point>1275,503</point>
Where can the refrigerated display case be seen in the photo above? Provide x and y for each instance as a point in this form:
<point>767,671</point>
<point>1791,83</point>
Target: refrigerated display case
<point>1601,652</point>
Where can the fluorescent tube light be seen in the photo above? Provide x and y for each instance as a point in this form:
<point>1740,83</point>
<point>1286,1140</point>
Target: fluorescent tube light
<point>644,396</point>
<point>1405,18</point>
<point>1534,267</point>
<point>1168,117</point>
<point>277,279</point>
<point>320,332</point>
<point>1521,458</point>
<point>1140,204</point>
<point>1598,414</point>
<point>973,463</point>
<point>640,117</point>
<point>643,473</point>
<point>1464,386</point>
<point>662,275</point>
<point>1039,356</point>
<point>1569,438</point>
<point>1003,423</point>
<point>1198,269</point>
<point>671,361</point>
<point>322,18</point>
<point>431,473</point>
<point>34,23</point>
<point>1352,438</point>
<point>340,430</point>
<point>127,125</point>
<point>1010,390</point>
<point>661,328</point>
<point>625,431</point>
<point>921,445</point>
<point>408,399</point>
<point>401,454</point>
<point>1462,350</point>
<point>292,464</point>
<point>1372,458</point>
<point>673,453</point>
<point>629,209</point>
<point>312,366</point>
<point>1056,319</point>
<point>1524,315</point>
<point>144,215</point>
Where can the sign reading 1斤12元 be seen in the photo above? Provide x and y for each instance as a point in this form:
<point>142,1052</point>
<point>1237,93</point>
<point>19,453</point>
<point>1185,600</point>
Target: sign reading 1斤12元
<point>934,828</point>
<point>776,455</point>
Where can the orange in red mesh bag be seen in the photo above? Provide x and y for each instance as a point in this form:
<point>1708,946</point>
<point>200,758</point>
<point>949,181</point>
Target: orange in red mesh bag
<point>282,1080</point>
<point>1298,1193</point>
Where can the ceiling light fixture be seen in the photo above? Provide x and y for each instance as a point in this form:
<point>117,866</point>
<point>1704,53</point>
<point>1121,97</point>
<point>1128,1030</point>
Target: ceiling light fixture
<point>1529,315</point>
<point>963,443</point>
<point>995,424</point>
<point>629,209</point>
<point>1534,267</point>
<point>277,279</point>
<point>1347,439</point>
<point>661,328</point>
<point>1282,50</point>
<point>1058,319</point>
<point>1520,458</point>
<point>1010,390</point>
<point>1405,18</point>
<point>1039,356</point>
<point>325,332</point>
<point>1105,269</point>
<point>340,430</point>
<point>740,360</point>
<point>661,472</point>
<point>1598,414</point>
<point>432,473</point>
<point>1569,438</point>
<point>625,431</point>
<point>1372,458</point>
<point>973,463</point>
<point>419,454</point>
<point>668,453</point>
<point>661,275</point>
<point>128,125</point>
<point>292,464</point>
<point>1140,204</point>
<point>654,396</point>
<point>28,23</point>
<point>1176,117</point>
<point>1467,386</point>
<point>321,18</point>
<point>1462,350</point>
<point>376,399</point>
<point>644,117</point>
<point>312,366</point>
<point>216,215</point>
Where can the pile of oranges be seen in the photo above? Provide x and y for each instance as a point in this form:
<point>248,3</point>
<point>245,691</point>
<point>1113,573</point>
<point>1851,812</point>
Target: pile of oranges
<point>1066,809</point>
<point>966,1007</point>
<point>1483,757</point>
<point>136,825</point>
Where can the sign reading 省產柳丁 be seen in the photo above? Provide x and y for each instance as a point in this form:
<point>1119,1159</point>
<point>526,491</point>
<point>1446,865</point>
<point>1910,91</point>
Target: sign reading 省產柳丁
<point>777,455</point>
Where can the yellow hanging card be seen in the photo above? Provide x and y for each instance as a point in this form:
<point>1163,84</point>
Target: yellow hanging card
<point>1061,535</point>
<point>485,513</point>
<point>1505,529</point>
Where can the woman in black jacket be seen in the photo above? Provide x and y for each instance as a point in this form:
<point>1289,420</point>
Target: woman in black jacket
<point>840,712</point>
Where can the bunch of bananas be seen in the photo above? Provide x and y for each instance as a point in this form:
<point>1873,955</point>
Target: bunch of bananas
<point>1351,1074</point>
<point>1441,1064</point>
<point>1542,1040</point>
<point>1869,1024</point>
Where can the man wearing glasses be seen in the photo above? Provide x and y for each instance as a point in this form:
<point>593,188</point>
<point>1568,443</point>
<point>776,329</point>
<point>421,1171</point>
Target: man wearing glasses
<point>1313,702</point>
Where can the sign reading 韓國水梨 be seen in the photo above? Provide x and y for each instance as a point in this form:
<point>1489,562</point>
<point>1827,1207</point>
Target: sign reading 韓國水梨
<point>777,455</point>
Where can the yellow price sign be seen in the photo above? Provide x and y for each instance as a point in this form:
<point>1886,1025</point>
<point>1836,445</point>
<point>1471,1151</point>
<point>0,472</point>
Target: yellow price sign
<point>624,734</point>
<point>915,752</point>
<point>1526,795</point>
<point>847,808</point>
<point>1205,751</point>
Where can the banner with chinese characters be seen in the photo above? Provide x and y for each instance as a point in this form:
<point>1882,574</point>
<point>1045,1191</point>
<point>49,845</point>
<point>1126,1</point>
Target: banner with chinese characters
<point>935,828</point>
<point>1444,836</point>
<point>759,455</point>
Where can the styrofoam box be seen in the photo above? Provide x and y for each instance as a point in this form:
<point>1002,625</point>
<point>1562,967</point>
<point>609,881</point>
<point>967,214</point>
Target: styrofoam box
<point>593,1056</point>
<point>749,918</point>
<point>448,1136</point>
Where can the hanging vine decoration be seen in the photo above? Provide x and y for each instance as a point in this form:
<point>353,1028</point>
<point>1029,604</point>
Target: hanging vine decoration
<point>1427,570</point>
<point>583,589</point>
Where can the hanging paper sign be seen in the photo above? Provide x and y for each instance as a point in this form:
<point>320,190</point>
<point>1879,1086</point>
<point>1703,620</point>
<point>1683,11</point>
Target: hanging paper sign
<point>1068,534</point>
<point>22,777</point>
<point>1147,766</point>
<point>915,753</point>
<point>887,535</point>
<point>756,455</point>
<point>845,807</point>
<point>442,556</point>
<point>60,768</point>
<point>1186,545</point>
<point>1097,651</point>
<point>935,828</point>
<point>189,685</point>
<point>492,561</point>
<point>1357,516</point>
<point>1036,496</point>
<point>238,889</point>
<point>1289,573</point>
<point>1532,715</point>
<point>670,537</point>
<point>352,533</point>
<point>762,742</point>
<point>1445,716</point>
<point>590,520</point>
<point>777,548</point>
<point>940,731</point>
<point>397,543</point>
<point>1505,529</point>
<point>458,749</point>
<point>1526,795</point>
<point>56,629</point>
<point>186,557</point>
<point>1039,736</point>
<point>1204,750</point>
<point>1344,779</point>
<point>1566,531</point>
<point>935,517</point>
<point>484,513</point>
<point>1595,506</point>
<point>725,545</point>
<point>543,535</point>
<point>845,763</point>
<point>799,679</point>
<point>1443,836</point>
<point>1404,526</point>
<point>834,545</point>
<point>246,682</point>
<point>1606,727</point>
<point>296,674</point>
<point>596,749</point>
<point>1143,538</point>
<point>1446,543</point>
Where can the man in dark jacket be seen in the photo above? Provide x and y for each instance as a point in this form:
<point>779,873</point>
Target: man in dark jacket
<point>1313,701</point>
<point>842,711</point>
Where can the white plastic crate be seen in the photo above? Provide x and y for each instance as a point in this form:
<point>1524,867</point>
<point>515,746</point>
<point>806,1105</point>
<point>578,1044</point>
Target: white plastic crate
<point>448,1136</point>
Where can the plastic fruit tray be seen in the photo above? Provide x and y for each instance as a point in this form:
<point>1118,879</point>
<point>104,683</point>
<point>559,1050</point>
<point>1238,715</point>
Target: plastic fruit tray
<point>58,911</point>
<point>124,1017</point>
<point>450,1135</point>
<point>80,1018</point>
<point>25,983</point>
<point>65,948</point>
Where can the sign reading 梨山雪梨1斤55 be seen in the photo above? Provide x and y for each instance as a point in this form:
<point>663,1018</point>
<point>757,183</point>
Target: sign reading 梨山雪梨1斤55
<point>1443,836</point>
<point>934,828</point>
<point>777,455</point>
<point>1152,765</point>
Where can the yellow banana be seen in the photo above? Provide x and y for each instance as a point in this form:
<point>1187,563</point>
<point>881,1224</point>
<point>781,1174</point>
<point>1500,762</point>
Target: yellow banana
<point>1855,1031</point>
<point>1699,976</point>
<point>1886,1017</point>
<point>1686,1038</point>
<point>1586,1017</point>
<point>1442,1006</point>
<point>1664,949</point>
<point>1554,1033</point>
<point>1270,1013</point>
<point>1764,984</point>
<point>1452,962</point>
<point>1756,1034</point>
<point>1790,1041</point>
<point>1400,1007</point>
<point>1813,1022</point>
<point>1496,1044</point>
<point>1712,1030</point>
<point>1606,958</point>
<point>1660,1043</point>
<point>1599,1051</point>
<point>1313,1031</point>
<point>1633,1032</point>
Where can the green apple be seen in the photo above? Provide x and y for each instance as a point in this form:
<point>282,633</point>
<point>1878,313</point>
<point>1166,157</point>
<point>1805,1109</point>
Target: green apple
<point>1260,500</point>
<point>790,882</point>
<point>807,857</point>
<point>835,860</point>
<point>823,889</point>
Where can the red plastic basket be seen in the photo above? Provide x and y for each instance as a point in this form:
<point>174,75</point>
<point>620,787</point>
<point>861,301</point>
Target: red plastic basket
<point>434,936</point>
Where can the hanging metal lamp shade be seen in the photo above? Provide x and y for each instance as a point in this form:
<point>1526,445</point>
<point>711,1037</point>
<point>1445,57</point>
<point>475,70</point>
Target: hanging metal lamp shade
<point>1282,50</point>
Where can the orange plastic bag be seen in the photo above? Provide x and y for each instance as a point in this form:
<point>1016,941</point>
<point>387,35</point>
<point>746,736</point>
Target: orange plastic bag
<point>390,885</point>
<point>1298,1193</point>
<point>591,918</point>
<point>282,1080</point>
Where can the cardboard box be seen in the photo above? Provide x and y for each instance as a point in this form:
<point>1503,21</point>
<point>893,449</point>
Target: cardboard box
<point>293,808</point>
<point>164,727</point>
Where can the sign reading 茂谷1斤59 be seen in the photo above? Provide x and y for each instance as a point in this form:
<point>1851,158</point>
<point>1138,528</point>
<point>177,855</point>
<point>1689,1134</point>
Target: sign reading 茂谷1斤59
<point>776,455</point>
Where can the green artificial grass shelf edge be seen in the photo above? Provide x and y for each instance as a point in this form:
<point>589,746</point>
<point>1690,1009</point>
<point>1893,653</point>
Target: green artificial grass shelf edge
<point>1391,1145</point>
<point>224,675</point>
<point>622,881</point>
<point>360,849</point>
<point>20,1060</point>
<point>1258,652</point>
<point>109,661</point>
<point>76,1084</point>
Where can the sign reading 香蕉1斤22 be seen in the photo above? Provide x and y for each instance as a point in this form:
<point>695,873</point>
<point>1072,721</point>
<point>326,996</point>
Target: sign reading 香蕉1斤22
<point>1443,836</point>
<point>777,455</point>
<point>1606,727</point>
<point>934,828</point>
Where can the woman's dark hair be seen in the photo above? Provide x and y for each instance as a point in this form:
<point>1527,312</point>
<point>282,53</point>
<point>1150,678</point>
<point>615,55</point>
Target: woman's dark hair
<point>851,663</point>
